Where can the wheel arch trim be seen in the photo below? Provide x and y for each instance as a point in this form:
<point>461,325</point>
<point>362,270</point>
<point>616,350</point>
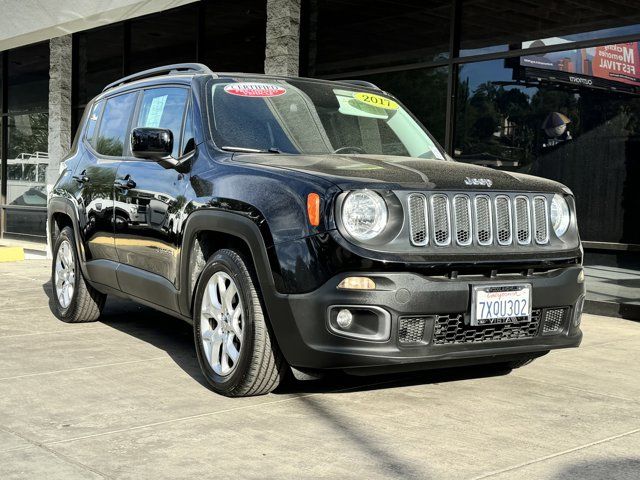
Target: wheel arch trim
<point>66,207</point>
<point>232,224</point>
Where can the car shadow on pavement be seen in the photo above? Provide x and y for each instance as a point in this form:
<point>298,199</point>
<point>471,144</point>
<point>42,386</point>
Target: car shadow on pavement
<point>175,337</point>
<point>618,469</point>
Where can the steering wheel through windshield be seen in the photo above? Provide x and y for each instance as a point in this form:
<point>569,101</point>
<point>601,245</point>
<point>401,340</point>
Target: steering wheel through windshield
<point>348,149</point>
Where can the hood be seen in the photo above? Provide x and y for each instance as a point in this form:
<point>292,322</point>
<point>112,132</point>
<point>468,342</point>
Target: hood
<point>402,173</point>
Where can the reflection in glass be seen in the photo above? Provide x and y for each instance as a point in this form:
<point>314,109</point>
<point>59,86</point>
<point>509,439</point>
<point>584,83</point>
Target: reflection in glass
<point>234,35</point>
<point>164,108</point>
<point>99,61</point>
<point>539,121</point>
<point>489,26</point>
<point>342,36</point>
<point>424,90</point>
<point>114,123</point>
<point>308,117</point>
<point>28,78</point>
<point>164,38</point>
<point>26,173</point>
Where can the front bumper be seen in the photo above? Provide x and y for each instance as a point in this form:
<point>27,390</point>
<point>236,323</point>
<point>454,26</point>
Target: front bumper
<point>303,331</point>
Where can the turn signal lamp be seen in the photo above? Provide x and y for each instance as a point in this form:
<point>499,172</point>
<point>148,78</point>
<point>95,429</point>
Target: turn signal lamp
<point>313,209</point>
<point>357,283</point>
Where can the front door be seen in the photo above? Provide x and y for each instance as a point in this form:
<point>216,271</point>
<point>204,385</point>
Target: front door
<point>149,197</point>
<point>104,141</point>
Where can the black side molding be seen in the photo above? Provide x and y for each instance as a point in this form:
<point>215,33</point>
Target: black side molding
<point>231,224</point>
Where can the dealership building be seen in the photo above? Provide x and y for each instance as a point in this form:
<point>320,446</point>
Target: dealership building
<point>546,88</point>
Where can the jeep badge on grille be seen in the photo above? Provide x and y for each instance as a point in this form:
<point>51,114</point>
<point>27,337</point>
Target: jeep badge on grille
<point>485,182</point>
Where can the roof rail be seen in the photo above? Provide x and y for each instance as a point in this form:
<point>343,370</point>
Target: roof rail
<point>166,70</point>
<point>361,83</point>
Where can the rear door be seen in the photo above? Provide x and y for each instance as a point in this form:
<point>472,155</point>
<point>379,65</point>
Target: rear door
<point>152,197</point>
<point>105,138</point>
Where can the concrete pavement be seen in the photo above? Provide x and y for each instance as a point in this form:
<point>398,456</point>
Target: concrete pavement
<point>123,398</point>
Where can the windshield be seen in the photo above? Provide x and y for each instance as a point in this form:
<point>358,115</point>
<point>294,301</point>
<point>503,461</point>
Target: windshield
<point>302,116</point>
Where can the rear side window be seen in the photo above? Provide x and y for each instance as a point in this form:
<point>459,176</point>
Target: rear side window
<point>115,125</point>
<point>164,108</point>
<point>92,121</point>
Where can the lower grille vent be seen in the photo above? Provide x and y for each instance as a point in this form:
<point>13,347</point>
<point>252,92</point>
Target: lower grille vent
<point>554,319</point>
<point>411,329</point>
<point>450,329</point>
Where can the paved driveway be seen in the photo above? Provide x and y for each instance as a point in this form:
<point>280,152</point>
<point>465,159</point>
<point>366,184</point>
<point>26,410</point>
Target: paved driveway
<point>123,398</point>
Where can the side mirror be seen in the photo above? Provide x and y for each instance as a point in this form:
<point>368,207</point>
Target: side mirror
<point>152,143</point>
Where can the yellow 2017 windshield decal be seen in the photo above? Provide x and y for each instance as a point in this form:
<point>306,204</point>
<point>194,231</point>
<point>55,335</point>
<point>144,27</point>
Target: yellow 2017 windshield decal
<point>376,100</point>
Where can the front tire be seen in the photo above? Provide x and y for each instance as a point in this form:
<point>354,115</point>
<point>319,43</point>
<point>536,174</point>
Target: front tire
<point>74,300</point>
<point>236,350</point>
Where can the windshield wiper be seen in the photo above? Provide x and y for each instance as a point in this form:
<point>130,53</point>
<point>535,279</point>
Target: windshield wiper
<point>250,150</point>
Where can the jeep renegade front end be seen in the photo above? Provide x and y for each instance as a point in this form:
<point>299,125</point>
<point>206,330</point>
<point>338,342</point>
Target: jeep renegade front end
<point>309,225</point>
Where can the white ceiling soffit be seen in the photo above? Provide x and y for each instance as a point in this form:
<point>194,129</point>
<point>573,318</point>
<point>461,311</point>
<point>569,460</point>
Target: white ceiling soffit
<point>28,21</point>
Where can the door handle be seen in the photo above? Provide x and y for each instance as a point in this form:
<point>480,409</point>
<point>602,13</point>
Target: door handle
<point>125,183</point>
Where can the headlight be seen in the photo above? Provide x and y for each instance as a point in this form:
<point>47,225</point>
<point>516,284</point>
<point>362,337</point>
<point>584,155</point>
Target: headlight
<point>364,214</point>
<point>560,215</point>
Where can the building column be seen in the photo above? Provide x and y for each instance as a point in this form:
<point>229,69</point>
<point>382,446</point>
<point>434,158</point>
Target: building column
<point>60,71</point>
<point>59,104</point>
<point>283,37</point>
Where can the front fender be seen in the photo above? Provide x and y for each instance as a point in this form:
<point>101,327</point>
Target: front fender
<point>265,262</point>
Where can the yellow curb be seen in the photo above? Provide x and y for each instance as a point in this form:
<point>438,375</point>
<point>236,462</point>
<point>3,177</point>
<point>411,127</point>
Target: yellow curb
<point>11,254</point>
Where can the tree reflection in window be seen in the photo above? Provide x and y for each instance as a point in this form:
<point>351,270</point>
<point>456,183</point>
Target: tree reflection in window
<point>114,125</point>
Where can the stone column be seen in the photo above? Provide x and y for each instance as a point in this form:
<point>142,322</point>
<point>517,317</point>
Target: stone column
<point>59,108</point>
<point>59,104</point>
<point>283,37</point>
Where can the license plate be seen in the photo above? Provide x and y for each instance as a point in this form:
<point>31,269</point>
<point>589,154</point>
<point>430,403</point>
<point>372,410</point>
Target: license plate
<point>497,304</point>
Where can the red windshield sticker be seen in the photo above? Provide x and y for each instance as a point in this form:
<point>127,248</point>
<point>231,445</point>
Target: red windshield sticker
<point>251,89</point>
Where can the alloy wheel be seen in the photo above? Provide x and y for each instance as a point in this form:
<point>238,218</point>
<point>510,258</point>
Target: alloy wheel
<point>221,323</point>
<point>65,276</point>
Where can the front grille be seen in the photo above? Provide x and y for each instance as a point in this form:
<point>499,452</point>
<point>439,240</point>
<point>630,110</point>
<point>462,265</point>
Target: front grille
<point>541,219</point>
<point>451,329</point>
<point>462,219</point>
<point>554,319</point>
<point>523,220</point>
<point>441,219</point>
<point>418,219</point>
<point>482,219</point>
<point>411,329</point>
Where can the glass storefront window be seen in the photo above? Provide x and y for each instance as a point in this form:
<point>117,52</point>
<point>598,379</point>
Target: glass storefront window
<point>98,61</point>
<point>164,38</point>
<point>27,164</point>
<point>582,130</point>
<point>234,35</point>
<point>26,121</point>
<point>342,36</point>
<point>28,78</point>
<point>423,90</point>
<point>489,26</point>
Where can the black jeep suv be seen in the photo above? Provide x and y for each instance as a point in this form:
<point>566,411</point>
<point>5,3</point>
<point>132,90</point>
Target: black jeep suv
<point>307,225</point>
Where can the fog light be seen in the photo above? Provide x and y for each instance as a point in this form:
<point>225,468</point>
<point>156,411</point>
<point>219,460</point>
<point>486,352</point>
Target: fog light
<point>357,283</point>
<point>581,276</point>
<point>344,318</point>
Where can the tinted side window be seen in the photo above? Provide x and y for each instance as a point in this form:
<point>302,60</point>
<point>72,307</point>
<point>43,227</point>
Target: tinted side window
<point>92,121</point>
<point>114,125</point>
<point>164,108</point>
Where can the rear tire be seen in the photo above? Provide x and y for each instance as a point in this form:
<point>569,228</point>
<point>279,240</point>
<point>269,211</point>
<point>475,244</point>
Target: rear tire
<point>236,350</point>
<point>74,300</point>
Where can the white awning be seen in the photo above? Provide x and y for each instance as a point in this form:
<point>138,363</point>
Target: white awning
<point>28,21</point>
